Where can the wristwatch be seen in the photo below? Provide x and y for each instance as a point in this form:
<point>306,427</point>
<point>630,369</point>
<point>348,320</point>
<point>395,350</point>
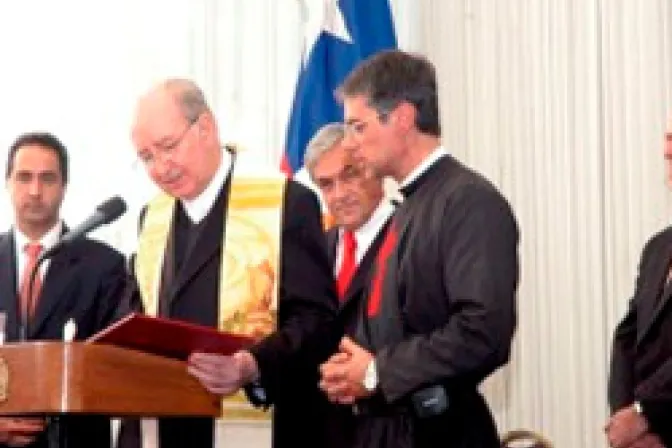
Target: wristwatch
<point>370,381</point>
<point>637,406</point>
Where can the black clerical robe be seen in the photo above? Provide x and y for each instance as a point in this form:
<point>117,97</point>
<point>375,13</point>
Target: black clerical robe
<point>288,360</point>
<point>444,313</point>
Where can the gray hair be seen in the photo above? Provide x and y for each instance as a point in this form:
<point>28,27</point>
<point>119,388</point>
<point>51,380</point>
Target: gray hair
<point>189,97</point>
<point>324,140</point>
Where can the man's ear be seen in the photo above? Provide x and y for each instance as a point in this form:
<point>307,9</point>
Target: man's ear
<point>404,115</point>
<point>205,124</point>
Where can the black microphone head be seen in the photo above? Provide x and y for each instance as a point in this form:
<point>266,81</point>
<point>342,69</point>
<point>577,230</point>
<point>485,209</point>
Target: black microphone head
<point>112,209</point>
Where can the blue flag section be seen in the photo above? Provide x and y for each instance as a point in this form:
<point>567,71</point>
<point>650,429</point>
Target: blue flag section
<point>347,31</point>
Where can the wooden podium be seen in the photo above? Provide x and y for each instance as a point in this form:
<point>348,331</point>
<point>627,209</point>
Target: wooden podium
<point>80,377</point>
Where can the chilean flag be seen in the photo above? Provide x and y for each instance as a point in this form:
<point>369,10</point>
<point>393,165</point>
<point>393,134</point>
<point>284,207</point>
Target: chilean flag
<point>339,34</point>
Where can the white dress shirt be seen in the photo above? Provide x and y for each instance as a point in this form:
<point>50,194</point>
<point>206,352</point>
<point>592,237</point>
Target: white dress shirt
<point>197,209</point>
<point>366,234</point>
<point>47,241</point>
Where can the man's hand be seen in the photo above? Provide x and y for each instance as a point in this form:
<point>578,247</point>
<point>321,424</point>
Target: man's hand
<point>20,431</point>
<point>223,375</point>
<point>343,373</point>
<point>648,440</point>
<point>625,427</point>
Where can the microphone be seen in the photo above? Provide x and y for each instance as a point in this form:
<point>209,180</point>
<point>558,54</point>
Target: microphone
<point>105,213</point>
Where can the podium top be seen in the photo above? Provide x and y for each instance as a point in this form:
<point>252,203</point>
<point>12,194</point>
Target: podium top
<point>78,377</point>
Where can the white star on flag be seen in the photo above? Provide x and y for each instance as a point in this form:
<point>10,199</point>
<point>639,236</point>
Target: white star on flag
<point>319,16</point>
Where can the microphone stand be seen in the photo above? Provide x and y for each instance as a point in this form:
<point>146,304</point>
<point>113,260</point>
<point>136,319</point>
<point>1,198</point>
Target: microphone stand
<point>55,436</point>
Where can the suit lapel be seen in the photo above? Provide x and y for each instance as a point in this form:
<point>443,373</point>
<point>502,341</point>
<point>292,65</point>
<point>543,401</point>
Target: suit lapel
<point>331,238</point>
<point>357,284</point>
<point>361,278</point>
<point>657,295</point>
<point>8,288</point>
<point>59,278</point>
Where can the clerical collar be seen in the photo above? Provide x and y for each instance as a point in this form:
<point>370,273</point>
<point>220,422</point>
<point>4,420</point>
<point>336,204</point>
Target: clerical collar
<point>405,186</point>
<point>47,241</point>
<point>198,208</point>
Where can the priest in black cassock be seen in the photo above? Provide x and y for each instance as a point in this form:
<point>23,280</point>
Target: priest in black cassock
<point>186,235</point>
<point>440,312</point>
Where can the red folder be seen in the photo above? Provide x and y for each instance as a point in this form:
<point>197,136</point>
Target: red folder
<point>169,337</point>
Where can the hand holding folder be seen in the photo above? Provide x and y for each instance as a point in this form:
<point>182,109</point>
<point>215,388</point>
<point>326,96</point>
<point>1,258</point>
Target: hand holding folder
<point>168,337</point>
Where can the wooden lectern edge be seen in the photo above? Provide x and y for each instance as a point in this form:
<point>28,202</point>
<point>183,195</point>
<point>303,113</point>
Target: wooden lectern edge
<point>49,377</point>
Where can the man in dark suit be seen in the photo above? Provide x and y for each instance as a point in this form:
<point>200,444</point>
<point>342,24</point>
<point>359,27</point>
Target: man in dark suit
<point>440,310</point>
<point>354,197</point>
<point>176,137</point>
<point>640,378</point>
<point>83,282</point>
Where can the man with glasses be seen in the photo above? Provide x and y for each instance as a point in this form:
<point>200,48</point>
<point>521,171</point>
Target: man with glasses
<point>243,255</point>
<point>439,314</point>
<point>355,199</point>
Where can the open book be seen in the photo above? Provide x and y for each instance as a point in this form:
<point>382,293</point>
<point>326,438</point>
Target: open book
<point>169,337</point>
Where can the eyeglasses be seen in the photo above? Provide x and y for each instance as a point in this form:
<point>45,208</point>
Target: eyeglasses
<point>356,127</point>
<point>166,151</point>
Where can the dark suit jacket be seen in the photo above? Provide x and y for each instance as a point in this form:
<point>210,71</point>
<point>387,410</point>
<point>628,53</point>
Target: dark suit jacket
<point>288,360</point>
<point>348,307</point>
<point>84,282</point>
<point>641,362</point>
<point>339,420</point>
<point>450,283</point>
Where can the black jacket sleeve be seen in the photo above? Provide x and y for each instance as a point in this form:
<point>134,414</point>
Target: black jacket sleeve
<point>477,259</point>
<point>307,331</point>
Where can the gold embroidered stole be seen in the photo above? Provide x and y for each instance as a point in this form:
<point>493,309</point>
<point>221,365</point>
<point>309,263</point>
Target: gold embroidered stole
<point>250,264</point>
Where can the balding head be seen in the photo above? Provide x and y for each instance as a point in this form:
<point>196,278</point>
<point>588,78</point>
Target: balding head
<point>176,137</point>
<point>188,96</point>
<point>184,93</point>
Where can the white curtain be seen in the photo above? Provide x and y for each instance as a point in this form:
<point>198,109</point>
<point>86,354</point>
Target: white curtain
<point>76,68</point>
<point>561,103</point>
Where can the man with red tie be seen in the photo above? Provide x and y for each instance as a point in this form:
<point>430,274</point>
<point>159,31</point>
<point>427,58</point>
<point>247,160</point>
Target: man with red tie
<point>355,199</point>
<point>82,283</point>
